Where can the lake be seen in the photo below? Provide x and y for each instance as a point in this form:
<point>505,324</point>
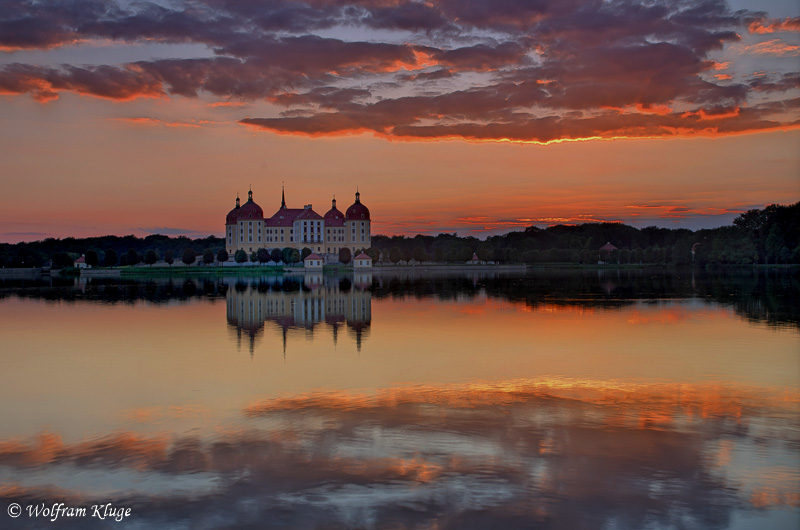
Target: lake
<point>613,399</point>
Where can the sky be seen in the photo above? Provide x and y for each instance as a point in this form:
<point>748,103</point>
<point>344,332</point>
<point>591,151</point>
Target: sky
<point>470,116</point>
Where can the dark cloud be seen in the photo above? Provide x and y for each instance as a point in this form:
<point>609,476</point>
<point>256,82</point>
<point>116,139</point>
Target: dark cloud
<point>44,83</point>
<point>412,16</point>
<point>516,69</point>
<point>442,73</point>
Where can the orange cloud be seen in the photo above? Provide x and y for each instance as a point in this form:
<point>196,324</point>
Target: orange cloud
<point>233,104</point>
<point>770,26</point>
<point>774,47</point>
<point>155,121</point>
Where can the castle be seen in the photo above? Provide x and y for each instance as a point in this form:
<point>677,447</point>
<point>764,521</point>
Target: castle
<point>247,229</point>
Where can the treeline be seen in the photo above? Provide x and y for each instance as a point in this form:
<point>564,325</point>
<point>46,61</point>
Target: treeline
<point>767,236</point>
<point>107,250</point>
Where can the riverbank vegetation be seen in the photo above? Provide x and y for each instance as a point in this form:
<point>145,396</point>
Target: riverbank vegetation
<point>767,236</point>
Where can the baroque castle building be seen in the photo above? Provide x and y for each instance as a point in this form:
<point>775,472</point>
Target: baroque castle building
<point>247,229</point>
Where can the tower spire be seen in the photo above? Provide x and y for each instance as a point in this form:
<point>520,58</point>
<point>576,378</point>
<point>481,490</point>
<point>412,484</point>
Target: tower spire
<point>283,197</point>
<point>250,194</point>
<point>358,195</point>
<point>237,199</point>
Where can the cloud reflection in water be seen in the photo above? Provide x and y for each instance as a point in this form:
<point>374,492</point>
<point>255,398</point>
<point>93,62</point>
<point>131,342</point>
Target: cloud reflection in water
<point>559,453</point>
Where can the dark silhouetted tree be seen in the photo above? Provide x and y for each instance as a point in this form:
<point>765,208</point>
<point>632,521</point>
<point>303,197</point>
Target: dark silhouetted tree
<point>189,256</point>
<point>150,256</point>
<point>276,255</point>
<point>169,257</point>
<point>395,255</point>
<point>344,255</point>
<point>240,256</point>
<point>419,254</point>
<point>263,255</point>
<point>91,258</point>
<point>208,256</point>
<point>305,253</point>
<point>222,255</point>
<point>61,260</point>
<point>110,259</point>
<point>132,257</point>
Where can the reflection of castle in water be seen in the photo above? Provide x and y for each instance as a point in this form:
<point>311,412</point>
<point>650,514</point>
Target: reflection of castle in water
<point>301,302</point>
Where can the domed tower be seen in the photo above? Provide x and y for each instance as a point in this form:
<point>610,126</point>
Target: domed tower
<point>231,226</point>
<point>334,229</point>
<point>250,224</point>
<point>357,225</point>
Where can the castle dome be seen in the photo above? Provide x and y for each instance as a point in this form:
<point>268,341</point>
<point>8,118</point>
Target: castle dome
<point>233,215</point>
<point>250,210</point>
<point>357,210</point>
<point>334,217</point>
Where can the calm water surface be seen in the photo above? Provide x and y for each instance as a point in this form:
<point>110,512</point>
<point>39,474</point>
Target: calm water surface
<point>610,399</point>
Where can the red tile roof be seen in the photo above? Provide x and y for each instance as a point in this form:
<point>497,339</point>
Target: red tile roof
<point>308,213</point>
<point>284,217</point>
<point>334,218</point>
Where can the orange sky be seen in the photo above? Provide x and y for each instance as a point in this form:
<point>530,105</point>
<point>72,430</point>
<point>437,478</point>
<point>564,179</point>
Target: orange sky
<point>673,121</point>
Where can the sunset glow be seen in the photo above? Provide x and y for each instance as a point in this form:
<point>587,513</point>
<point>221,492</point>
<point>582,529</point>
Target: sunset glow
<point>126,119</point>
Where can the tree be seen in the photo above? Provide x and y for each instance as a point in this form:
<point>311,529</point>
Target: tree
<point>263,255</point>
<point>91,258</point>
<point>305,253</point>
<point>276,255</point>
<point>240,256</point>
<point>294,255</point>
<point>169,257</point>
<point>419,254</point>
<point>132,257</point>
<point>222,255</point>
<point>61,260</point>
<point>150,256</point>
<point>344,255</point>
<point>395,255</point>
<point>286,254</point>
<point>189,256</point>
<point>373,253</point>
<point>253,257</point>
<point>110,259</point>
<point>208,256</point>
<point>774,243</point>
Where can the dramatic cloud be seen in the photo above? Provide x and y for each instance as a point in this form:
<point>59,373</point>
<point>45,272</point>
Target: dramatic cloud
<point>509,70</point>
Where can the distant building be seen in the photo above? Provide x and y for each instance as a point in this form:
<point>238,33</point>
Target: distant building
<point>313,261</point>
<point>247,229</point>
<point>474,260</point>
<point>605,253</point>
<point>80,263</point>
<point>362,261</point>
